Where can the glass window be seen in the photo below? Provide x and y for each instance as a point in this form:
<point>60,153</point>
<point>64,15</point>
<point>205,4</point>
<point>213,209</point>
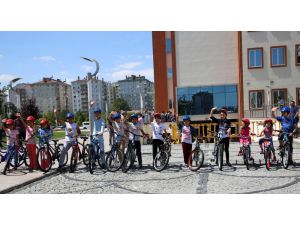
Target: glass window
<point>278,56</point>
<point>297,54</point>
<point>206,89</point>
<point>298,97</point>
<point>230,88</point>
<point>279,97</point>
<point>219,89</point>
<point>256,99</point>
<point>168,45</point>
<point>255,58</point>
<point>170,72</point>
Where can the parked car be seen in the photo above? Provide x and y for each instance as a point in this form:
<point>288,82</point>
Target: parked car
<point>85,126</point>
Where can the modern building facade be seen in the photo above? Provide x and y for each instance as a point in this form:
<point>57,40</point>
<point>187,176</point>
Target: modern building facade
<point>52,94</point>
<point>246,72</point>
<point>137,91</point>
<point>20,93</point>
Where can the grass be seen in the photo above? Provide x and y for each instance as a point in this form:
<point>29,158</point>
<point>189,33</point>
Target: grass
<point>61,134</point>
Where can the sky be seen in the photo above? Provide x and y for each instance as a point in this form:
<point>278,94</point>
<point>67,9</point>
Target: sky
<point>33,55</point>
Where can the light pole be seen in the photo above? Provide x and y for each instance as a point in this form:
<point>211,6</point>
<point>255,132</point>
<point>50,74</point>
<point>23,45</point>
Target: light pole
<point>90,89</point>
<point>10,88</point>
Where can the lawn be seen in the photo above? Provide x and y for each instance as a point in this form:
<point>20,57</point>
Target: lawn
<point>61,134</point>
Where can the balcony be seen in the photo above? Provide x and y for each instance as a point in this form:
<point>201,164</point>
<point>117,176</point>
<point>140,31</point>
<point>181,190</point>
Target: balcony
<point>264,112</point>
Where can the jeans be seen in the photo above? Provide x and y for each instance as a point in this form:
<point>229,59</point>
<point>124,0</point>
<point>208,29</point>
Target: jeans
<point>67,146</point>
<point>99,142</point>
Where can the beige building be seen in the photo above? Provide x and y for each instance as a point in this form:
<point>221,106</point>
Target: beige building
<point>52,94</point>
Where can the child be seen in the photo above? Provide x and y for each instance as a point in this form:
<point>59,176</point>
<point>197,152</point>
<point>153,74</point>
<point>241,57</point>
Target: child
<point>187,134</point>
<point>12,138</point>
<point>72,131</point>
<point>245,135</point>
<point>44,132</point>
<point>267,132</point>
<point>30,140</point>
<point>119,129</point>
<point>158,128</point>
<point>136,128</point>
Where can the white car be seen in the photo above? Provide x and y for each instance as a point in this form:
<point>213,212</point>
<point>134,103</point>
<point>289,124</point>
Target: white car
<point>85,126</point>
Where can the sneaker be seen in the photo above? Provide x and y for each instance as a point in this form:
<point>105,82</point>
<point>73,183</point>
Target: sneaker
<point>229,164</point>
<point>262,152</point>
<point>140,167</point>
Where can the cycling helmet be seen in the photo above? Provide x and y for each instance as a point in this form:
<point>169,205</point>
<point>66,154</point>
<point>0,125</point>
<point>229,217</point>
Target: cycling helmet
<point>285,109</point>
<point>30,118</point>
<point>44,122</point>
<point>97,110</point>
<point>268,121</point>
<point>116,116</point>
<point>9,122</point>
<point>186,117</point>
<point>246,121</point>
<point>134,116</point>
<point>70,115</point>
<point>157,115</point>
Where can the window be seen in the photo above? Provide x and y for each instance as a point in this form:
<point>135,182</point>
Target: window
<point>255,58</point>
<point>298,97</point>
<point>279,97</point>
<point>168,45</point>
<point>278,56</point>
<point>170,72</point>
<point>256,99</point>
<point>297,55</point>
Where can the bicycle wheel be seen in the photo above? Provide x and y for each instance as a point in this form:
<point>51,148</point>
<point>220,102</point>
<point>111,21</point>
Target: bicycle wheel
<point>74,159</point>
<point>220,156</point>
<point>7,165</point>
<point>85,155</point>
<point>58,150</point>
<point>26,158</point>
<point>196,159</point>
<point>91,154</point>
<point>246,157</point>
<point>128,161</point>
<point>216,154</point>
<point>115,160</point>
<point>267,158</point>
<point>44,159</point>
<point>17,159</point>
<point>161,161</point>
<point>286,156</point>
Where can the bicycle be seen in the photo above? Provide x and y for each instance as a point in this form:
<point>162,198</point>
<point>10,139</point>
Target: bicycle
<point>47,155</point>
<point>219,149</point>
<point>162,158</point>
<point>285,152</point>
<point>92,155</point>
<point>246,151</point>
<point>268,152</point>
<point>12,158</point>
<point>197,157</point>
<point>115,157</point>
<point>130,156</point>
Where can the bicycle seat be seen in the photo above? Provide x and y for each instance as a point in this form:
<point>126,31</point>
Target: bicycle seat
<point>84,138</point>
<point>55,141</point>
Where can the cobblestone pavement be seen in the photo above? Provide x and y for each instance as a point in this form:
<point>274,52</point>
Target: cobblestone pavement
<point>178,179</point>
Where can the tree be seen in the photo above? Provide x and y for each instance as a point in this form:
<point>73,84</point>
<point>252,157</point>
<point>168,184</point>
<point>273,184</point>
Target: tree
<point>81,117</point>
<point>50,116</point>
<point>120,104</point>
<point>29,108</point>
<point>10,110</point>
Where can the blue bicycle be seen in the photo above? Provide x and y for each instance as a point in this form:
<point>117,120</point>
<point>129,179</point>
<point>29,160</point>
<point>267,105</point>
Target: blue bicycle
<point>12,158</point>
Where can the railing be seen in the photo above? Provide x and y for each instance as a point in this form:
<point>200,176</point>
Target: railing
<point>265,112</point>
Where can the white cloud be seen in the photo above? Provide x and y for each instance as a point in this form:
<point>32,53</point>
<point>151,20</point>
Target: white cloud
<point>129,65</point>
<point>7,77</point>
<point>87,68</point>
<point>148,56</point>
<point>44,58</point>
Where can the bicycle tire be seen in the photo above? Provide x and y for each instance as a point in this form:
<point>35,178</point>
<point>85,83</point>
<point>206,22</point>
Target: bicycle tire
<point>128,161</point>
<point>161,161</point>
<point>216,154</point>
<point>91,154</point>
<point>85,155</point>
<point>7,165</point>
<point>74,159</point>
<point>59,149</point>
<point>286,156</point>
<point>114,161</point>
<point>197,156</point>
<point>44,159</point>
<point>267,158</point>
<point>246,157</point>
<point>20,160</point>
<point>26,158</point>
<point>220,156</point>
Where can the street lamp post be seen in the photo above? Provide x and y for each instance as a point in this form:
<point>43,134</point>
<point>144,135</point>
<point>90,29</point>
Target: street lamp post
<point>90,89</point>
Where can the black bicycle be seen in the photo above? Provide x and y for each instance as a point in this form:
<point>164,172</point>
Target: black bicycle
<point>246,151</point>
<point>47,155</point>
<point>285,152</point>
<point>196,158</point>
<point>115,157</point>
<point>12,158</point>
<point>162,158</point>
<point>268,152</point>
<point>130,156</point>
<point>219,148</point>
<point>94,156</point>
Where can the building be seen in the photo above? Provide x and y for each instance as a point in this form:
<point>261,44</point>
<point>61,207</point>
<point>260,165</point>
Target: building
<point>137,91</point>
<point>80,95</point>
<point>20,94</point>
<point>194,71</point>
<point>51,94</point>
<point>271,71</point>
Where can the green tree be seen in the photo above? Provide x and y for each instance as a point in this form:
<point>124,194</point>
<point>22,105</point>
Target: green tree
<point>81,117</point>
<point>29,108</point>
<point>50,116</point>
<point>10,110</point>
<point>120,104</point>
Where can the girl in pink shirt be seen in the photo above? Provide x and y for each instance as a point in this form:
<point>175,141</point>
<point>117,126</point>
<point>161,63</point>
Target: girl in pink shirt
<point>12,138</point>
<point>245,133</point>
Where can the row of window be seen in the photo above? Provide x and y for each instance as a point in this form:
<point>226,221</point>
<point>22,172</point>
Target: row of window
<point>277,56</point>
<point>278,97</point>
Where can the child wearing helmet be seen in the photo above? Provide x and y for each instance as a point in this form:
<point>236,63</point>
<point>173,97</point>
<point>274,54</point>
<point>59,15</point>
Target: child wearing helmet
<point>44,132</point>
<point>12,137</point>
<point>187,134</point>
<point>267,132</point>
<point>158,129</point>
<point>72,131</point>
<point>119,129</point>
<point>98,130</point>
<point>288,125</point>
<point>30,140</point>
<point>245,133</point>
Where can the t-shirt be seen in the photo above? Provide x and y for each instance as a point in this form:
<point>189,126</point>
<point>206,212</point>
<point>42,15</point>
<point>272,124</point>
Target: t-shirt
<point>99,126</point>
<point>71,131</point>
<point>44,135</point>
<point>245,132</point>
<point>287,123</point>
<point>12,137</point>
<point>224,125</point>
<point>119,129</point>
<point>268,132</point>
<point>186,135</point>
<point>157,131</point>
<point>30,135</point>
<point>136,129</point>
